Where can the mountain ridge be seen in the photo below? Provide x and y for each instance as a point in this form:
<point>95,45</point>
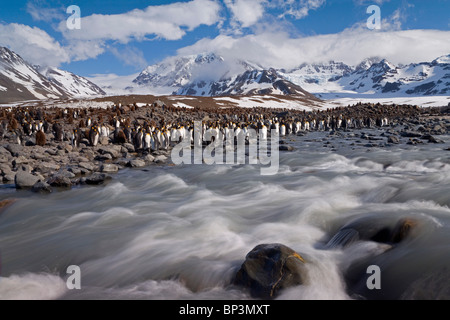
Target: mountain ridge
<point>373,75</point>
<point>20,81</point>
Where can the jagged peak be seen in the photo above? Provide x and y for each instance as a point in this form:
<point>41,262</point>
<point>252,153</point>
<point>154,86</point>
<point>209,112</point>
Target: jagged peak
<point>442,60</point>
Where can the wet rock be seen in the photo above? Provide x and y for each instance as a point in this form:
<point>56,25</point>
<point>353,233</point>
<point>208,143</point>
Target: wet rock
<point>270,268</point>
<point>286,148</point>
<point>434,286</point>
<point>149,158</point>
<point>410,134</point>
<point>432,139</point>
<point>97,178</point>
<point>372,228</point>
<point>136,163</point>
<point>59,181</point>
<point>402,229</point>
<point>393,140</point>
<point>160,159</point>
<point>24,180</point>
<point>109,168</point>
<point>41,187</point>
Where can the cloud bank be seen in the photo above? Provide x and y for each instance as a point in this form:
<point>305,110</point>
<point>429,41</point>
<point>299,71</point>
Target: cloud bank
<point>350,46</point>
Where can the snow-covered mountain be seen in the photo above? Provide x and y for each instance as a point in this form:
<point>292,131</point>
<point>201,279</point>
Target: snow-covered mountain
<point>251,82</point>
<point>375,77</point>
<point>208,74</point>
<point>20,81</point>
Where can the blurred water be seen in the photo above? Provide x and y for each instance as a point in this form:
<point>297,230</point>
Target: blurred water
<point>182,232</point>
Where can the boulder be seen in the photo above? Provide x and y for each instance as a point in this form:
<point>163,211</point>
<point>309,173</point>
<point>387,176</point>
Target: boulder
<point>109,168</point>
<point>136,163</point>
<point>160,159</point>
<point>270,268</point>
<point>41,187</point>
<point>97,178</point>
<point>393,140</point>
<point>86,165</point>
<point>24,180</point>
<point>286,148</point>
<point>129,147</point>
<point>15,149</point>
<point>110,150</point>
<point>59,181</point>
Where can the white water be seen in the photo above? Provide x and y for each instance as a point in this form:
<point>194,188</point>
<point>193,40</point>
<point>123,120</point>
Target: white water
<point>182,232</point>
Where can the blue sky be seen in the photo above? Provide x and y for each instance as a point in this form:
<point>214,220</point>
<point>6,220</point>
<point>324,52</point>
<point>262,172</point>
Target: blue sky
<point>122,37</point>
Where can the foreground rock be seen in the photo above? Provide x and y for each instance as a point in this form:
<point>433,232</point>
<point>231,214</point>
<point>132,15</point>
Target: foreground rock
<point>25,180</point>
<point>372,228</point>
<point>270,268</point>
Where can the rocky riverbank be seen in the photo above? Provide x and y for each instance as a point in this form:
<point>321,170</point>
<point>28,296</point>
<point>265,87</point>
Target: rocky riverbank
<point>46,148</point>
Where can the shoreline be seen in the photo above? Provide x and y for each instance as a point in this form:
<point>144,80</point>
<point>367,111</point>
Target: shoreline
<point>55,148</point>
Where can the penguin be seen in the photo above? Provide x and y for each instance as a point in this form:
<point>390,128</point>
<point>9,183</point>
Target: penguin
<point>263,133</point>
<point>40,138</point>
<point>138,139</point>
<point>153,142</point>
<point>17,137</point>
<point>147,142</point>
<point>104,131</point>
<point>27,128</point>
<point>76,137</point>
<point>93,136</point>
<point>282,130</point>
<point>57,128</point>
<point>119,136</point>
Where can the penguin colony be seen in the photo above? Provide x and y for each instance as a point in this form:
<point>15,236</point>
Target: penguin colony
<point>159,127</point>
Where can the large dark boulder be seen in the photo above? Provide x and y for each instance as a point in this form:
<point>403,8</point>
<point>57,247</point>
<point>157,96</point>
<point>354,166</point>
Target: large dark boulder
<point>270,268</point>
<point>372,228</point>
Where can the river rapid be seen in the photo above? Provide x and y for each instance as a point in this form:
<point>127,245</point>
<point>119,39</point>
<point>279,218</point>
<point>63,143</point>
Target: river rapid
<point>181,232</point>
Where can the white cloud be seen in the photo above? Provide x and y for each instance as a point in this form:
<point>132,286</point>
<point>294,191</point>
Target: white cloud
<point>40,13</point>
<point>130,56</point>
<point>351,46</point>
<point>33,44</point>
<point>246,12</point>
<point>297,8</point>
<point>168,22</point>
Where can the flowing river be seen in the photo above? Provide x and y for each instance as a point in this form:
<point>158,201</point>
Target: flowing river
<point>181,232</point>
